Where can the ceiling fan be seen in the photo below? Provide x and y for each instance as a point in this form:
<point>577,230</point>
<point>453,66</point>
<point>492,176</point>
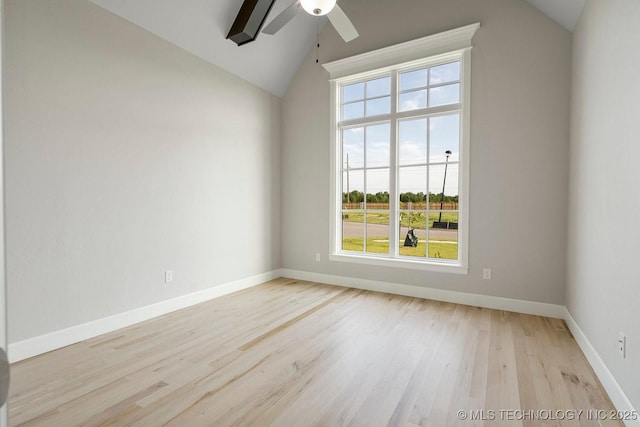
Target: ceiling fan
<point>253,14</point>
<point>336,16</point>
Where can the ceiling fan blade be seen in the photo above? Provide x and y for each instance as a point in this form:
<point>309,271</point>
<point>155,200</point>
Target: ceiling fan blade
<point>342,24</point>
<point>281,20</point>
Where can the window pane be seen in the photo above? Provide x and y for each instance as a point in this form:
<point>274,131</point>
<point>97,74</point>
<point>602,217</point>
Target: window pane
<point>443,95</point>
<point>412,238</point>
<point>352,92</point>
<point>378,232</point>
<point>378,106</point>
<point>352,213</point>
<point>412,186</point>
<point>444,135</point>
<point>445,73</point>
<point>353,190</point>
<point>443,220</point>
<point>353,111</point>
<point>377,188</point>
<point>413,100</point>
<point>379,87</point>
<point>412,141</point>
<point>436,179</point>
<point>377,210</point>
<point>415,219</point>
<point>377,145</point>
<point>413,79</point>
<point>353,148</point>
<point>443,235</point>
<point>353,231</point>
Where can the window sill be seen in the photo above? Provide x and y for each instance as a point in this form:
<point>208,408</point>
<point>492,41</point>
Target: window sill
<point>401,263</point>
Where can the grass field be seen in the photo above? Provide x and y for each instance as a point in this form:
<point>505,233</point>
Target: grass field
<point>447,249</point>
<point>418,219</point>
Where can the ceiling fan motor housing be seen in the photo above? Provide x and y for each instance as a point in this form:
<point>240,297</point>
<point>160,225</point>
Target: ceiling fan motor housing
<point>318,7</point>
<point>339,20</point>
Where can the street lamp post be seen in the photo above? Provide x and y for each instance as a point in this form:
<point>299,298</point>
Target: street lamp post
<point>444,181</point>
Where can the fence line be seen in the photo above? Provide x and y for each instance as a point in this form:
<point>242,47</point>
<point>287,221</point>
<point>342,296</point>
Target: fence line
<point>433,206</point>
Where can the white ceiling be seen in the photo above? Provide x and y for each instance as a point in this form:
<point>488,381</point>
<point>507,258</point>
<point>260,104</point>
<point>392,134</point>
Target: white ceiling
<point>564,12</point>
<point>201,27</point>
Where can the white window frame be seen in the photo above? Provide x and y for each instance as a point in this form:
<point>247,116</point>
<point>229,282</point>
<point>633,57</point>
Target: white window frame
<point>449,46</point>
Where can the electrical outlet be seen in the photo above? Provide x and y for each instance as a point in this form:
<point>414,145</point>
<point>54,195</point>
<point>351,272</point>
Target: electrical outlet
<point>486,274</point>
<point>168,276</point>
<point>622,345</point>
<point>317,256</point>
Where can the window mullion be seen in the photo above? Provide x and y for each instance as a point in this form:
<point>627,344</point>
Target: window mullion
<point>394,220</point>
<point>431,111</point>
<point>365,190</point>
<point>365,121</point>
<point>428,205</point>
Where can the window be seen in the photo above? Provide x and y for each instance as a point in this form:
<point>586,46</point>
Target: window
<point>400,146</point>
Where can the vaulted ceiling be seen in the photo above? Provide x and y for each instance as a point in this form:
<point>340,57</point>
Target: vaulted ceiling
<point>201,27</point>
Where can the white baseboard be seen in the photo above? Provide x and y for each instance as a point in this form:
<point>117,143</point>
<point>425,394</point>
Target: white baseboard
<point>519,306</point>
<point>41,344</point>
<point>611,386</point>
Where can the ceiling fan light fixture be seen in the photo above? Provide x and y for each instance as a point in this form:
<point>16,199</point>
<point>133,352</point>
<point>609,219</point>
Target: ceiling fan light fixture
<point>318,7</point>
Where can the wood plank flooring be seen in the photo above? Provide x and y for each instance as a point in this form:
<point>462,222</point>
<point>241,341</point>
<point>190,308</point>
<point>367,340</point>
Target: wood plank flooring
<point>291,353</point>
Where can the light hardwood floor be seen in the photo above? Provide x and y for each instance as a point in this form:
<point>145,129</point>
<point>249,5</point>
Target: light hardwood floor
<point>291,353</point>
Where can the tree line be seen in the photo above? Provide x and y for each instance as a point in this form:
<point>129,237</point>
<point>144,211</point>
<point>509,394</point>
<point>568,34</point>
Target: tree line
<point>356,196</point>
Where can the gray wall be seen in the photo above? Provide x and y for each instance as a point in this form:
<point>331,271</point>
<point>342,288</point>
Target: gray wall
<point>127,156</point>
<point>603,276</point>
<point>519,145</point>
